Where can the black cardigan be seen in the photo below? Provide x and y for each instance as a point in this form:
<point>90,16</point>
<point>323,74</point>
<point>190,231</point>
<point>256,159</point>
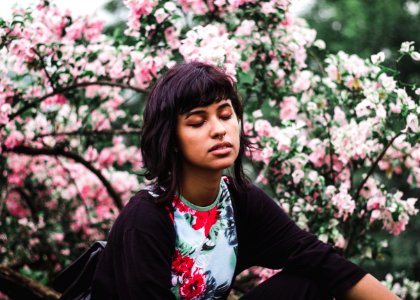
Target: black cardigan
<point>136,263</point>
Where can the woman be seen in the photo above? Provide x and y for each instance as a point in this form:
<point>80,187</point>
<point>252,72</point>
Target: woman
<point>190,233</point>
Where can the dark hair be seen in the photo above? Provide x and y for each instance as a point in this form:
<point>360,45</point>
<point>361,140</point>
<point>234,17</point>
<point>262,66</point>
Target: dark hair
<point>182,88</point>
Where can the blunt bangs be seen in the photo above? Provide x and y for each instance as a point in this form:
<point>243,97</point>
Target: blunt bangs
<point>204,86</point>
<point>196,85</point>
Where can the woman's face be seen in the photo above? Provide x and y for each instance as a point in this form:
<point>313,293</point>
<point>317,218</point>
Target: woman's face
<point>208,137</point>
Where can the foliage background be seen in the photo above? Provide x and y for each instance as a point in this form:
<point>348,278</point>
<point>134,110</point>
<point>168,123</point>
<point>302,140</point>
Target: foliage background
<point>366,27</point>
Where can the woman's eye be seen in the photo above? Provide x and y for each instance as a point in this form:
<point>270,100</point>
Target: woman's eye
<point>226,117</point>
<point>196,125</point>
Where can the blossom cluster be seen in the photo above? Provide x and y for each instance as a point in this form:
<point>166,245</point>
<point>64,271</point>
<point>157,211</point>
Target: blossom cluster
<point>211,44</point>
<point>405,288</point>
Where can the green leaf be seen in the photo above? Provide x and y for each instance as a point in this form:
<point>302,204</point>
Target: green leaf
<point>87,73</point>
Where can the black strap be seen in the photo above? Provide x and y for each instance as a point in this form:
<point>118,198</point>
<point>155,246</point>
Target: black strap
<point>75,281</point>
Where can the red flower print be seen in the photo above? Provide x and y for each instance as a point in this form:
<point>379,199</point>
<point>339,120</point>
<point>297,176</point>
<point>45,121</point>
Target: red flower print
<point>182,265</point>
<point>193,286</point>
<point>171,214</point>
<point>181,206</point>
<point>206,219</point>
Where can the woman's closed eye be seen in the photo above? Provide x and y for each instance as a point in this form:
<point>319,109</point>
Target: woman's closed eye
<point>196,125</point>
<point>226,117</point>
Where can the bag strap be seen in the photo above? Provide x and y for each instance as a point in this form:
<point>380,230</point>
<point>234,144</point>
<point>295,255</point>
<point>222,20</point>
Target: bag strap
<point>77,277</point>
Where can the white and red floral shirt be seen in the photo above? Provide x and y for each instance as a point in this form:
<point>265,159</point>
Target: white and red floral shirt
<point>206,243</point>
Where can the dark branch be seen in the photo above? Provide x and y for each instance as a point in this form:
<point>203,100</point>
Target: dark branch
<point>372,168</point>
<point>27,199</point>
<point>91,132</point>
<point>77,189</point>
<point>331,154</point>
<point>70,88</point>
<point>18,286</point>
<point>75,157</point>
<point>44,67</point>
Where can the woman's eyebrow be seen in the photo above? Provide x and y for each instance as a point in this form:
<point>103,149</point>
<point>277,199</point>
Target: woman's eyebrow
<point>195,112</point>
<point>222,106</point>
<point>203,112</point>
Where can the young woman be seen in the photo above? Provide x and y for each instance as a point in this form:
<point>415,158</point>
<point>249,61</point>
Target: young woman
<point>190,233</point>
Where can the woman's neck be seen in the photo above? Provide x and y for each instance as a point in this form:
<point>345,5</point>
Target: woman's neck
<point>200,187</point>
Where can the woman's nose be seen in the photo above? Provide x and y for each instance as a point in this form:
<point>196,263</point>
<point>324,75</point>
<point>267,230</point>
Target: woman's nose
<point>218,128</point>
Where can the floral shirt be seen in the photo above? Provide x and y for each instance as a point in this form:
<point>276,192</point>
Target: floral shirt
<point>206,243</point>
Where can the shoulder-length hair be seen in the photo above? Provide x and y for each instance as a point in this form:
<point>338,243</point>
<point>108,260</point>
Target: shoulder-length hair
<point>181,89</point>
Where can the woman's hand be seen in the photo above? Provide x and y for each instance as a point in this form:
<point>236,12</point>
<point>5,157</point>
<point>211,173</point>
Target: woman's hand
<point>369,288</point>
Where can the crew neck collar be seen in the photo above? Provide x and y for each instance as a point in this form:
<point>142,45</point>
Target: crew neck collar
<point>202,208</point>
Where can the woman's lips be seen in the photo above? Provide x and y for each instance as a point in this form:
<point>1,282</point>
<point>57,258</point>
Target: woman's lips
<point>221,148</point>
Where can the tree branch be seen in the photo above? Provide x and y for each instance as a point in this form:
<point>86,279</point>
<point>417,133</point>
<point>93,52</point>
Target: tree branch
<point>77,189</point>
<point>331,154</point>
<point>91,132</point>
<point>44,67</point>
<point>18,286</point>
<point>27,199</point>
<point>70,88</point>
<point>75,157</point>
<point>372,168</point>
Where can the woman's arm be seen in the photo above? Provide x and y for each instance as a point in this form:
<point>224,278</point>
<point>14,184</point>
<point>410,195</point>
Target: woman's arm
<point>136,264</point>
<point>369,288</point>
<point>274,241</point>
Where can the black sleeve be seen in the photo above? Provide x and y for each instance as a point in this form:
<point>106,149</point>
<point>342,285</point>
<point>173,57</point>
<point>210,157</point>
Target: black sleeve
<point>277,242</point>
<point>136,263</point>
<point>146,266</point>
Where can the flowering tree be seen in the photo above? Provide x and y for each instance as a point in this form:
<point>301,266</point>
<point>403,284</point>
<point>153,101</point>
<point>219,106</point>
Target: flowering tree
<point>70,118</point>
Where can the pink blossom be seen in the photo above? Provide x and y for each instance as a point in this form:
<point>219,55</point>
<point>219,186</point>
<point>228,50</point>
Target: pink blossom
<point>266,155</point>
<point>172,39</point>
<point>297,176</point>
<point>340,242</point>
<point>160,15</point>
<point>257,113</point>
<point>318,155</point>
<point>57,236</point>
<point>395,107</point>
<point>53,102</point>
<point>262,178</point>
<point>339,116</point>
<point>413,122</point>
<point>104,212</point>
<point>375,215</point>
<point>14,139</point>
<point>137,9</point>
<point>263,127</point>
<point>415,55</point>
<point>14,206</point>
<point>91,154</point>
<point>267,8</point>
<point>246,28</point>
<point>80,219</point>
<point>332,72</point>
<point>5,111</point>
<point>343,203</point>
<point>376,202</point>
<point>387,82</point>
<point>302,82</point>
<point>288,108</point>
<point>378,58</point>
<point>106,157</point>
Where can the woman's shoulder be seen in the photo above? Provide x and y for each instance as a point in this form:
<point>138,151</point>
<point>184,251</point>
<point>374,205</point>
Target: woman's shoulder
<point>143,212</point>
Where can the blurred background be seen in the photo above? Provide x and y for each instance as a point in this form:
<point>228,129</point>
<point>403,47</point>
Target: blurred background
<point>353,26</point>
